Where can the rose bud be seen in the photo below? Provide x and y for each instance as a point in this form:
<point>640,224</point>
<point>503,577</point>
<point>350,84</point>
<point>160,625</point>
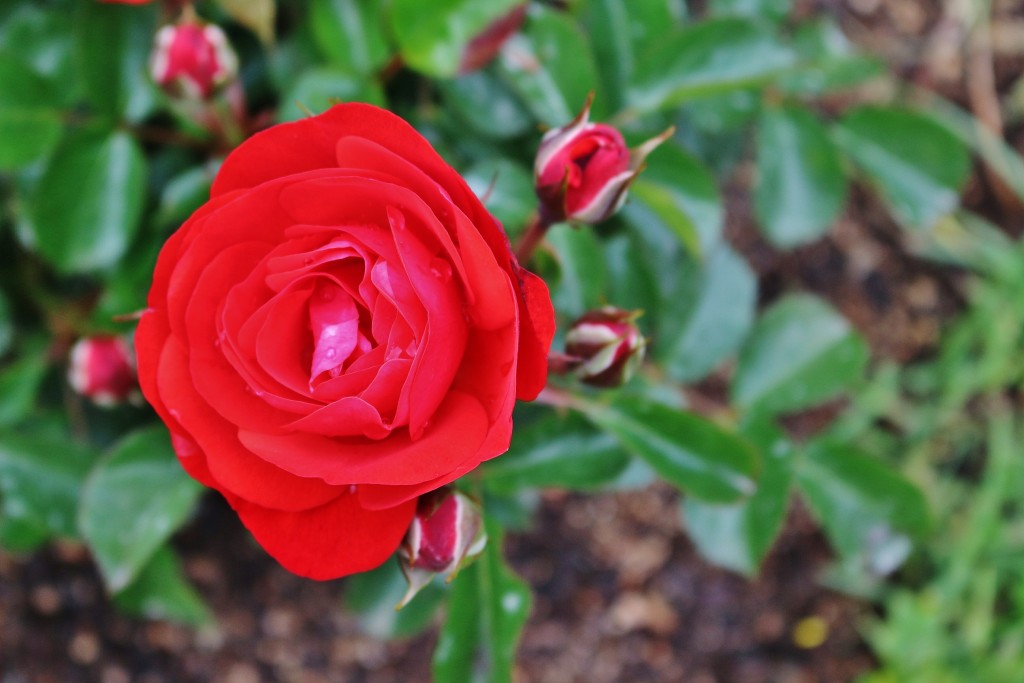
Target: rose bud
<point>605,347</point>
<point>445,535</point>
<point>583,169</point>
<point>479,52</point>
<point>102,368</point>
<point>192,59</point>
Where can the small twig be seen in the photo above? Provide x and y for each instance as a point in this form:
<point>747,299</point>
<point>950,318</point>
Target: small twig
<point>535,231</point>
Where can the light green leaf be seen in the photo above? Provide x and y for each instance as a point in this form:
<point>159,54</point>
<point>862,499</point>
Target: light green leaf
<point>350,34</point>
<point>917,165</point>
<point>483,101</point>
<point>432,35</point>
<point>688,451</point>
<point>775,10</point>
<point>581,277</point>
<point>506,189</point>
<point>372,597</point>
<point>487,609</point>
<point>800,183</point>
<point>550,66</point>
<point>161,592</point>
<point>87,206</point>
<point>317,89</point>
<point>738,536</point>
<point>30,123</point>
<point>556,451</point>
<point>20,382</point>
<point>800,353</point>
<point>706,58</point>
<point>136,497</point>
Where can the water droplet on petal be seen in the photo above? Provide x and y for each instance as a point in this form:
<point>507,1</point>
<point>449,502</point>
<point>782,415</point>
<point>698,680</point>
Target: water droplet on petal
<point>441,269</point>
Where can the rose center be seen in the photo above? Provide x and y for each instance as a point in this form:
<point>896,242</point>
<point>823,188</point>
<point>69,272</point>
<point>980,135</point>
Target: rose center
<point>337,337</point>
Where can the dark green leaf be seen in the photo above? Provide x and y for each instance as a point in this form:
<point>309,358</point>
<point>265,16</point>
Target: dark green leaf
<point>775,10</point>
<point>506,190</point>
<point>162,592</point>
<point>800,183</point>
<point>708,316</point>
<point>688,451</point>
<point>19,384</point>
<point>40,480</point>
<point>865,507</point>
<point>30,123</point>
<point>350,34</point>
<point>487,609</point>
<point>372,597</point>
<point>551,68</point>
<point>738,536</point>
<point>37,36</point>
<point>706,58</point>
<point>6,325</point>
<point>136,497</point>
<point>21,534</point>
<point>581,280</point>
<point>800,353</point>
<point>917,165</point>
<point>485,103</point>
<point>86,209</point>
<point>182,195</point>
<point>319,88</point>
<point>556,451</point>
<point>432,35</point>
<point>112,45</point>
<point>827,60</point>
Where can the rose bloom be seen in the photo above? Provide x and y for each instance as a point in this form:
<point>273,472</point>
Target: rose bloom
<point>341,328</point>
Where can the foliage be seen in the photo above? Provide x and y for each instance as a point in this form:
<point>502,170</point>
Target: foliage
<point>97,168</point>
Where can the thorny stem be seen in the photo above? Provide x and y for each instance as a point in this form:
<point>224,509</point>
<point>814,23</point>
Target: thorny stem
<point>532,236</point>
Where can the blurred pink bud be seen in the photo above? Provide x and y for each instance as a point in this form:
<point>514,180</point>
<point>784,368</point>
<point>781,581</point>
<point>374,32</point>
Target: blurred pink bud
<point>446,533</point>
<point>605,347</point>
<point>583,169</point>
<point>485,47</point>
<point>192,59</point>
<point>102,369</point>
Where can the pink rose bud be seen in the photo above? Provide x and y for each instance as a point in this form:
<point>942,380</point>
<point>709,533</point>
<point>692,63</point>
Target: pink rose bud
<point>605,347</point>
<point>445,535</point>
<point>102,369</point>
<point>192,59</point>
<point>485,47</point>
<point>583,169</point>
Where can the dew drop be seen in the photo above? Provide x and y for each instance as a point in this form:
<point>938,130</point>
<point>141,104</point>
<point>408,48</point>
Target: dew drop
<point>352,488</point>
<point>327,294</point>
<point>441,269</point>
<point>331,353</point>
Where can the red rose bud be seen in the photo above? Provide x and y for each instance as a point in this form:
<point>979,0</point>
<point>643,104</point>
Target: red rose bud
<point>605,347</point>
<point>583,169</point>
<point>485,47</point>
<point>192,59</point>
<point>102,369</point>
<point>446,533</point>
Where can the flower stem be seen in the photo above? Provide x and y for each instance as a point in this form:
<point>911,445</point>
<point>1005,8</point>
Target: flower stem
<point>531,237</point>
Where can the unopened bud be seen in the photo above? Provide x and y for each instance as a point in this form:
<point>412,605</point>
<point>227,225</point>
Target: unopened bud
<point>583,170</point>
<point>485,46</point>
<point>605,347</point>
<point>102,369</point>
<point>192,59</point>
<point>446,533</point>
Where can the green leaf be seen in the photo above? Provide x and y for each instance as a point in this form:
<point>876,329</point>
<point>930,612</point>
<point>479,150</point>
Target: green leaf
<point>581,280</point>
<point>633,279</point>
<point>550,66</point>
<point>112,46</point>
<point>350,34</point>
<point>775,10</point>
<point>182,195</point>
<point>917,165</point>
<point>256,15</point>
<point>800,353</point>
<point>432,35</point>
<point>136,497</point>
<point>866,508</point>
<point>507,191</point>
<point>688,451</point>
<point>20,382</point>
<point>161,592</point>
<point>558,451</point>
<point>37,36</point>
<point>86,208</point>
<point>707,318</point>
<point>372,597</point>
<point>738,536</point>
<point>679,193</point>
<point>800,183</point>
<point>21,534</point>
<point>7,327</point>
<point>487,609</point>
<point>40,480</point>
<point>317,89</point>
<point>706,58</point>
<point>30,123</point>
<point>485,103</point>
<point>827,60</point>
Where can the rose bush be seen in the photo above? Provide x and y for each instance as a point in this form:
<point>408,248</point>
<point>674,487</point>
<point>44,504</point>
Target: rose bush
<point>341,328</point>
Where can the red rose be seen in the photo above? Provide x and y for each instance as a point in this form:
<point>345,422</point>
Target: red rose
<point>341,328</point>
